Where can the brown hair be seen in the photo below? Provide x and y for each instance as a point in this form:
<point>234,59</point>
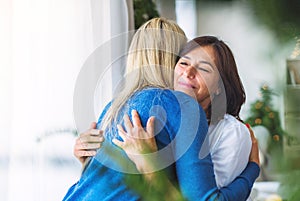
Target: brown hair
<point>234,91</point>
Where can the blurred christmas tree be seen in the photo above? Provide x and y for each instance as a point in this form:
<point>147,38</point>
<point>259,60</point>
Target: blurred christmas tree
<point>262,113</point>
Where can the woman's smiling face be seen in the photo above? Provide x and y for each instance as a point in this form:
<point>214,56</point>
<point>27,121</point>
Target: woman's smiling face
<point>197,75</point>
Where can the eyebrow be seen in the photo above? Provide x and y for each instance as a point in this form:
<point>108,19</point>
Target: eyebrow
<point>186,57</point>
<point>203,62</point>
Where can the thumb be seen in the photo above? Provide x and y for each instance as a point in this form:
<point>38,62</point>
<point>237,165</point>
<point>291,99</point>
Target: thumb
<point>93,125</point>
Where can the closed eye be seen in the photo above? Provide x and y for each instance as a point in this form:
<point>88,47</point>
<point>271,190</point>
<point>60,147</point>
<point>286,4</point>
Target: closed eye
<point>203,69</point>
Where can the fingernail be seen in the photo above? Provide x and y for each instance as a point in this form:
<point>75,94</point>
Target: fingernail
<point>248,125</point>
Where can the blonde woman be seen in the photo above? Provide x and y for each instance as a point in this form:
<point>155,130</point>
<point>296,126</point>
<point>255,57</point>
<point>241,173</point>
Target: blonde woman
<point>180,123</point>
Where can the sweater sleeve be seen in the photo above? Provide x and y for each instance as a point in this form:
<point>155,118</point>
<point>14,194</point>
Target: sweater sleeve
<point>239,189</point>
<point>197,181</point>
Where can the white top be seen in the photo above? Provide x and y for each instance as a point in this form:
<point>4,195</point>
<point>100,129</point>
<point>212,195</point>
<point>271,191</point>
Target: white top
<point>230,146</point>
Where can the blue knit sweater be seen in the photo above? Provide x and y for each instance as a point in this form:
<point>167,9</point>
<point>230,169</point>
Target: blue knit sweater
<point>181,127</point>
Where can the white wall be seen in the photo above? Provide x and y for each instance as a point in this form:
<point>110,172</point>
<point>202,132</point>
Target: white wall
<point>5,93</point>
<point>186,17</point>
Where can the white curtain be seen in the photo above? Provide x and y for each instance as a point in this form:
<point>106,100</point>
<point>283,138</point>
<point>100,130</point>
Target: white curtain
<point>186,17</point>
<point>44,46</point>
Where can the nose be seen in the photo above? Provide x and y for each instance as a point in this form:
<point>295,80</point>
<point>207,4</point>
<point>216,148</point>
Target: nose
<point>189,72</point>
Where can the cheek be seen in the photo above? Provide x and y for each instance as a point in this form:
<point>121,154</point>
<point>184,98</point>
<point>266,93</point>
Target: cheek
<point>211,83</point>
<point>202,81</point>
<point>215,81</point>
<point>177,72</point>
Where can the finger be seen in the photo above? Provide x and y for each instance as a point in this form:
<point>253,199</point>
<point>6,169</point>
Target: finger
<point>96,132</point>
<point>136,119</point>
<point>85,153</point>
<point>87,146</point>
<point>78,144</point>
<point>122,132</point>
<point>150,127</point>
<point>118,143</point>
<point>90,139</point>
<point>247,125</point>
<point>253,138</point>
<point>91,132</point>
<point>254,154</point>
<point>127,122</point>
<point>93,125</point>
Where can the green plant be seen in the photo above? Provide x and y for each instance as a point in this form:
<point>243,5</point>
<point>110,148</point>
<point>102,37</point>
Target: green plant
<point>282,17</point>
<point>289,179</point>
<point>153,189</point>
<point>144,10</point>
<point>262,113</point>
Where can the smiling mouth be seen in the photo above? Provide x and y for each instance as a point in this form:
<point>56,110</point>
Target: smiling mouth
<point>186,85</point>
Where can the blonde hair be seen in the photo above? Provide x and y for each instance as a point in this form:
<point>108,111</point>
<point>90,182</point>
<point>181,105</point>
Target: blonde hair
<point>150,62</point>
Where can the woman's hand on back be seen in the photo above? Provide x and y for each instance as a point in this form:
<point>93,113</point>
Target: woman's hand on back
<point>137,142</point>
<point>87,143</point>
<point>254,154</point>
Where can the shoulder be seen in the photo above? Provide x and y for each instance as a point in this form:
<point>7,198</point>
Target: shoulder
<point>162,94</point>
<point>174,100</point>
<point>230,130</point>
<point>172,108</point>
<point>146,98</point>
<point>103,113</point>
<point>231,123</point>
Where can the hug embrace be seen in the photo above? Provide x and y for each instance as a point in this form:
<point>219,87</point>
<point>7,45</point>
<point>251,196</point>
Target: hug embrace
<point>187,96</point>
